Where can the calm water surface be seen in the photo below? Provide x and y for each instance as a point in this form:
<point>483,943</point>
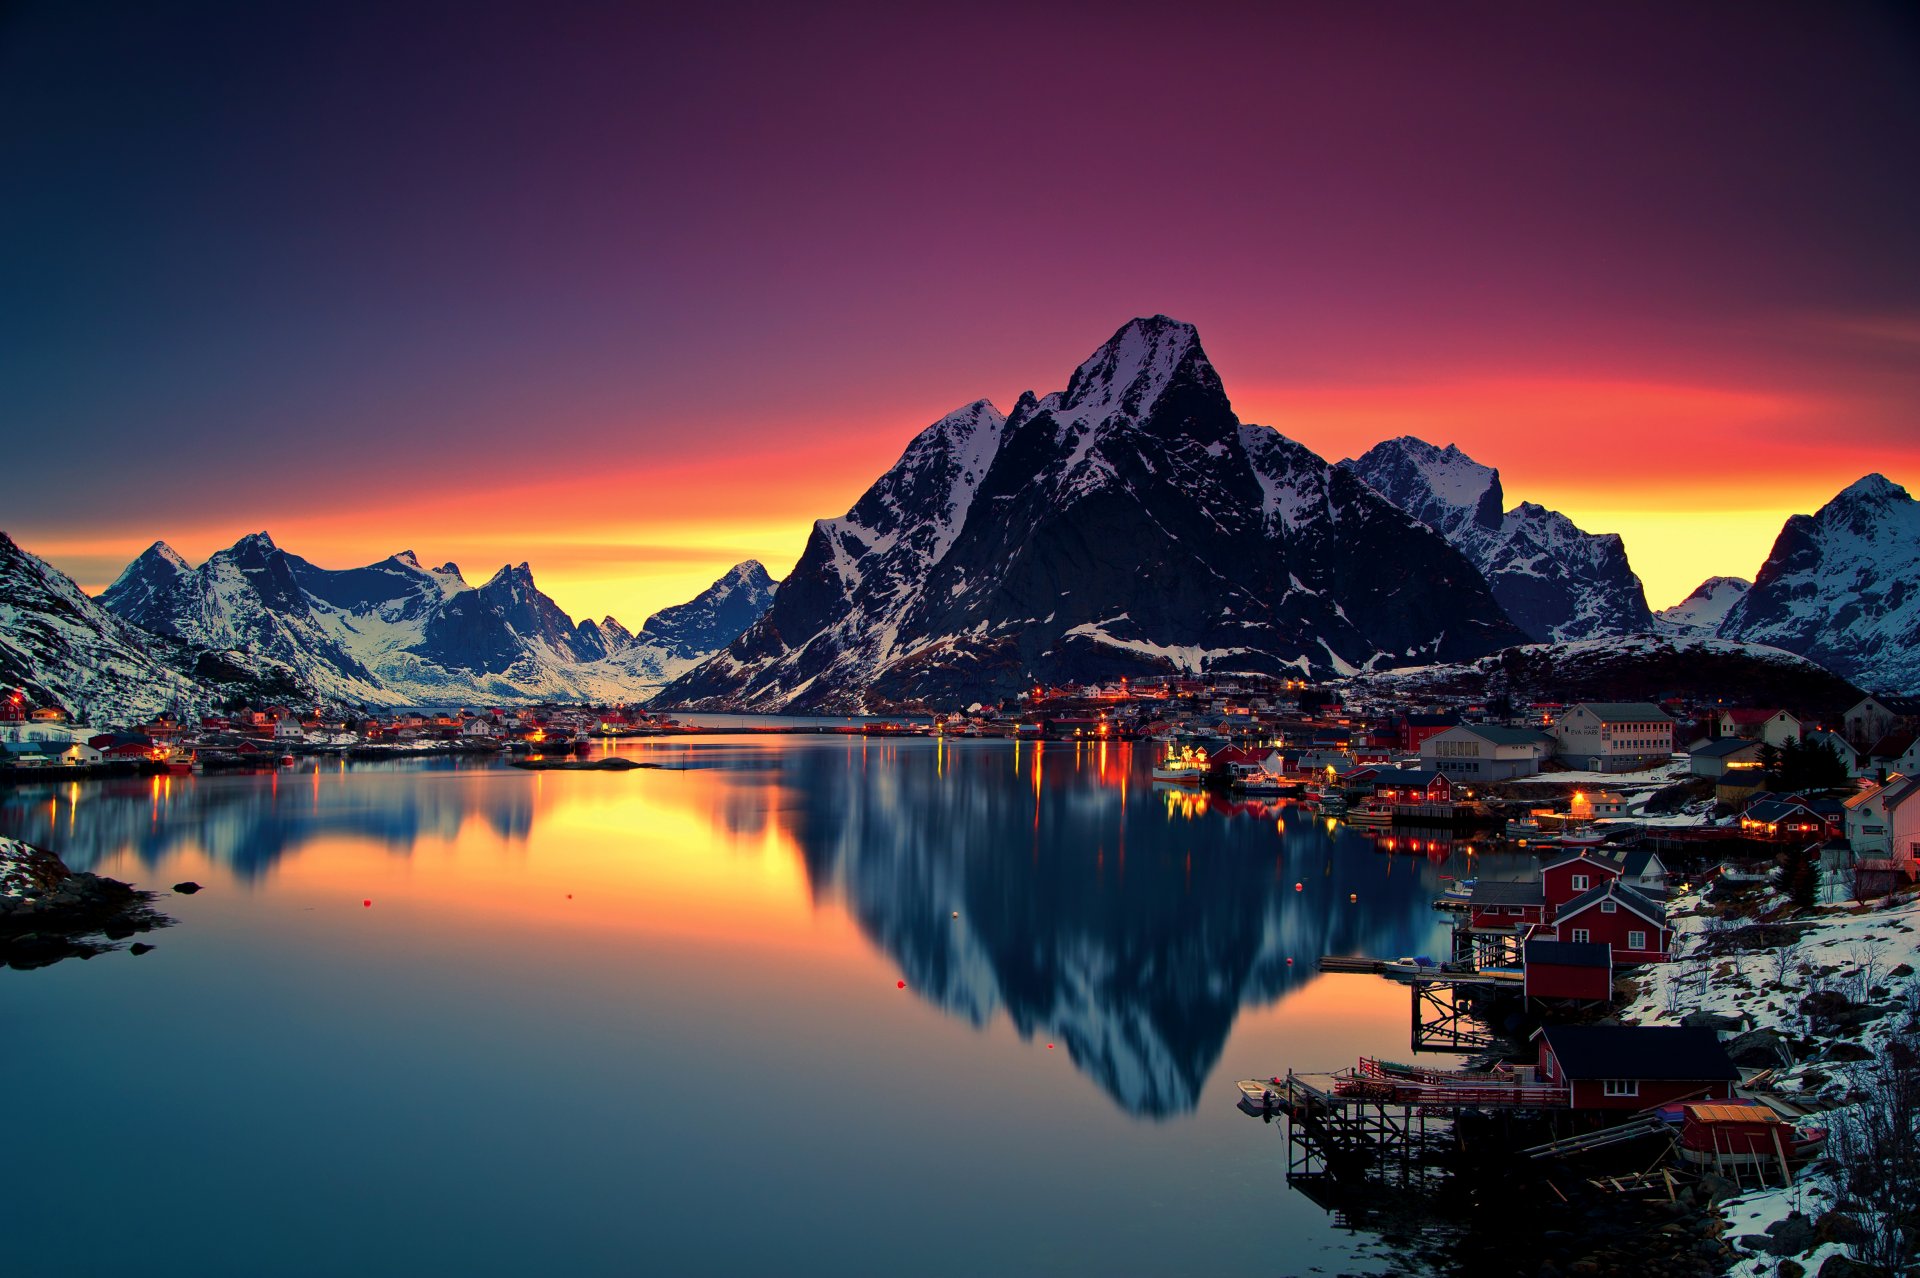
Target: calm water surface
<point>470,1019</point>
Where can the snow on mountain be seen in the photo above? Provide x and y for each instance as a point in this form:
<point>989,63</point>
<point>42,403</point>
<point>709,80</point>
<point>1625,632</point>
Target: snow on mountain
<point>1842,587</point>
<point>1702,611</point>
<point>391,633</point>
<point>675,640</point>
<point>1554,580</point>
<point>1128,524</point>
<point>64,649</point>
<point>1625,667</point>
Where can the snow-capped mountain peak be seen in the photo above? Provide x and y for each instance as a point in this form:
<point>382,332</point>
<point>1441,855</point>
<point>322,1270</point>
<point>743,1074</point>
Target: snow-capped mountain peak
<point>1702,611</point>
<point>1556,581</point>
<point>1840,587</point>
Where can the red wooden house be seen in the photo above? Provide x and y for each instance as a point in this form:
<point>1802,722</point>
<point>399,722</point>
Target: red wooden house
<point>1635,1067</point>
<point>1576,874</point>
<point>1565,970</point>
<point>1500,905</point>
<point>1412,785</point>
<point>1615,915</point>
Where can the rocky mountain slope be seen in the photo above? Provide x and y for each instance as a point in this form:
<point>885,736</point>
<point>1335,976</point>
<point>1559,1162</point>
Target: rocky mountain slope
<point>1633,668</point>
<point>62,648</point>
<point>1702,611</point>
<point>1128,524</point>
<point>1555,581</point>
<point>396,633</point>
<point>1842,587</point>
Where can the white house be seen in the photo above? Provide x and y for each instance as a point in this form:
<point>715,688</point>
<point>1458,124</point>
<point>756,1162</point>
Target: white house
<point>1884,823</point>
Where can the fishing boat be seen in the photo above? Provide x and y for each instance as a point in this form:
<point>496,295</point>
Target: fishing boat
<point>1458,893</point>
<point>1183,765</point>
<point>1370,814</point>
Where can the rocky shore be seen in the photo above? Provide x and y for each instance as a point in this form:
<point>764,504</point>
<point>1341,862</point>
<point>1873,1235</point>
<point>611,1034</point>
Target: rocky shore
<point>49,913</point>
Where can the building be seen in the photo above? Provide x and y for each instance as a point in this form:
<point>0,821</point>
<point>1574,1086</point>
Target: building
<point>1571,877</point>
<point>1614,736</point>
<point>1562,970</point>
<point>1612,914</point>
<point>1783,818</point>
<point>1482,753</point>
<point>1884,823</point>
<point>1879,714</point>
<point>1506,905</point>
<point>1724,755</point>
<point>1411,785</point>
<point>1635,1067</point>
<point>1775,727</point>
<point>1414,730</point>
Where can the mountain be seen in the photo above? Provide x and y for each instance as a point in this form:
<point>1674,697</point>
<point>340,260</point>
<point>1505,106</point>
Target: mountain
<point>675,640</point>
<point>64,649</point>
<point>1842,587</point>
<point>1702,611</point>
<point>1554,580</point>
<point>1129,524</point>
<point>1694,668</point>
<point>396,633</point>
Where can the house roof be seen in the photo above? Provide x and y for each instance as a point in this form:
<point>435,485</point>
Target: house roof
<point>1498,734</point>
<point>1893,745</point>
<point>1508,892</point>
<point>1568,953</point>
<point>1421,777</point>
<point>1674,1052</point>
<point>1749,716</point>
<point>1606,860</point>
<point>1771,810</point>
<point>1908,706</point>
<point>1639,860</point>
<point>1624,711</point>
<point>1727,747</point>
<point>1646,907</point>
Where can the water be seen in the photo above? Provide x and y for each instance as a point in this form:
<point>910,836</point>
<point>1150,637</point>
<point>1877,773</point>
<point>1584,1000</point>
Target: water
<point>469,1019</point>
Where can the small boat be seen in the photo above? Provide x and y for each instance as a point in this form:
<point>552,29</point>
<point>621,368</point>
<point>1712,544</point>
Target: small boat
<point>1370,814</point>
<point>1411,966</point>
<point>1182,767</point>
<point>180,767</point>
<point>1261,1095</point>
<point>1460,891</point>
<point>1333,803</point>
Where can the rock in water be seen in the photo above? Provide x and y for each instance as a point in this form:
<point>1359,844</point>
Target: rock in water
<point>186,889</point>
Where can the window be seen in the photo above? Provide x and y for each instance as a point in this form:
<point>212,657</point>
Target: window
<point>1579,882</point>
<point>1620,1087</point>
<point>1513,909</point>
<point>1636,940</point>
<point>1581,936</point>
<point>1608,907</point>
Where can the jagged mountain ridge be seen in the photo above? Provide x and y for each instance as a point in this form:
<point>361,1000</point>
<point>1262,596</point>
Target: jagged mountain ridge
<point>1702,611</point>
<point>395,633</point>
<point>63,649</point>
<point>1128,524</point>
<point>1842,587</point>
<point>1556,581</point>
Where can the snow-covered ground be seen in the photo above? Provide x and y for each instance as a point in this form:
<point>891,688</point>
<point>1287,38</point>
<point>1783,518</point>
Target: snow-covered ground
<point>1848,951</point>
<point>26,871</point>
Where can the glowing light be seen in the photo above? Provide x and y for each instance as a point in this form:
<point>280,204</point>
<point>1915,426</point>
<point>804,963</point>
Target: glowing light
<point>900,985</point>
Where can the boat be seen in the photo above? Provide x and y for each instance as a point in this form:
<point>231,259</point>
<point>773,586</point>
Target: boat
<point>1370,814</point>
<point>180,767</point>
<point>1459,893</point>
<point>1261,1095</point>
<point>1411,966</point>
<point>1333,803</point>
<point>1182,766</point>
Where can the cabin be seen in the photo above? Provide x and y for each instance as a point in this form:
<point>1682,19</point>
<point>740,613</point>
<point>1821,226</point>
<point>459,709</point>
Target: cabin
<point>1635,1067</point>
<point>1568,877</point>
<point>1731,1137</point>
<point>1611,914</point>
<point>1567,971</point>
<point>1410,785</point>
<point>1644,871</point>
<point>1506,905</point>
<point>1787,819</point>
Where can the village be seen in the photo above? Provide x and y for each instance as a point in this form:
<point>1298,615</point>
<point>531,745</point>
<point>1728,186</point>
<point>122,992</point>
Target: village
<point>1681,976</point>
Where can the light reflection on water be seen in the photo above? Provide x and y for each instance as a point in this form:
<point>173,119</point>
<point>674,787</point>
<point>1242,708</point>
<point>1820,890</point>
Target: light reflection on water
<point>469,1018</point>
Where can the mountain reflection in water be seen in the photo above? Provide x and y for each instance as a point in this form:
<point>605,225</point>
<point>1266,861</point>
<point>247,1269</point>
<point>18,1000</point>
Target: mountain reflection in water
<point>1127,923</point>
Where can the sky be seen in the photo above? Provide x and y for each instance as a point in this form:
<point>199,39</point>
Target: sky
<point>633,293</point>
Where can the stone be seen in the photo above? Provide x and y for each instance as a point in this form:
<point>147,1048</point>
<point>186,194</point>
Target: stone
<point>1790,1269</point>
<point>1792,1236</point>
<point>1838,1227</point>
<point>139,947</point>
<point>1838,1266</point>
<point>1714,1021</point>
<point>186,889</point>
<point>1759,1047</point>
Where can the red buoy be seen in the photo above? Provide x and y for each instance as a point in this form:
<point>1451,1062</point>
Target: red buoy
<point>366,903</point>
<point>899,985</point>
